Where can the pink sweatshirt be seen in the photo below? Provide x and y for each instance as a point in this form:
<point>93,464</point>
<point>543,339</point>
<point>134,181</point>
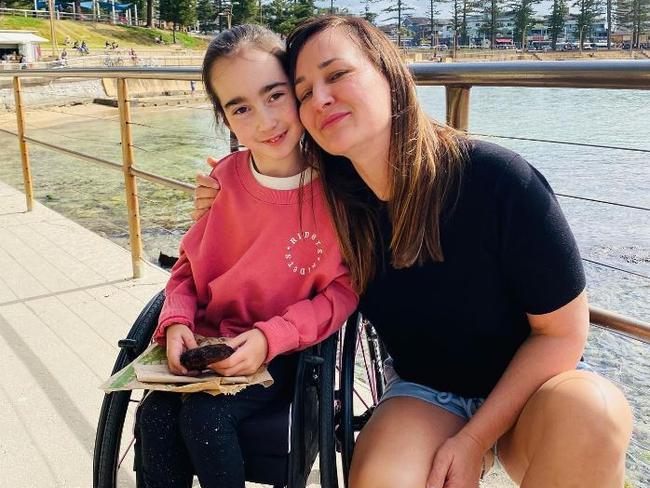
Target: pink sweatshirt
<point>251,262</point>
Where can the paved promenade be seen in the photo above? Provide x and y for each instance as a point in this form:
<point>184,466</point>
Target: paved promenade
<point>66,298</point>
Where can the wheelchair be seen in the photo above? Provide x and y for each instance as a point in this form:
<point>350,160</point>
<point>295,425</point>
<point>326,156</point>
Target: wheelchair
<point>279,445</point>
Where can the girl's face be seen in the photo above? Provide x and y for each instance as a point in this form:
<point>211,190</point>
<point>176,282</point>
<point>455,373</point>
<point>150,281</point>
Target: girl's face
<point>344,100</point>
<point>259,106</point>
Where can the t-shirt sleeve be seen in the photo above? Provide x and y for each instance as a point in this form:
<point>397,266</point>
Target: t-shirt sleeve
<point>539,253</point>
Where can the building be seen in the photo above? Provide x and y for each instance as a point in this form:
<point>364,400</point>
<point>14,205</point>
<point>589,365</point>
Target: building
<point>21,42</point>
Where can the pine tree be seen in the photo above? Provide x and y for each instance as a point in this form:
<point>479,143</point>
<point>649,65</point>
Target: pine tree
<point>150,13</point>
<point>205,12</point>
<point>557,20</point>
<point>178,12</point>
<point>399,8</point>
<point>588,10</point>
<point>523,13</point>
<point>245,12</point>
<point>456,21</point>
<point>283,15</point>
<point>367,14</point>
<point>468,7</point>
<point>490,27</point>
<point>432,12</point>
<point>635,16</point>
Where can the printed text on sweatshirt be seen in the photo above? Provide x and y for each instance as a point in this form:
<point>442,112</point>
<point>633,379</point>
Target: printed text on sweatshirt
<point>253,261</point>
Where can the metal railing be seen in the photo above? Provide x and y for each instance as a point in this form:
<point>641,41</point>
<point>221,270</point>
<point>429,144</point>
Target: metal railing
<point>457,79</point>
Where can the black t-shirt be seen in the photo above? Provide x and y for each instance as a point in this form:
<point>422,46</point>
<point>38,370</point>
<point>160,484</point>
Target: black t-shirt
<point>508,250</point>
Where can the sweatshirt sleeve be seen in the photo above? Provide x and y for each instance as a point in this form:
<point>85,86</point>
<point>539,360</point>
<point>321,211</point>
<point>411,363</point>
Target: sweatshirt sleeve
<point>180,299</point>
<point>311,321</point>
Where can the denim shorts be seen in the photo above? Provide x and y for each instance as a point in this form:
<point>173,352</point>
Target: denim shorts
<point>458,405</point>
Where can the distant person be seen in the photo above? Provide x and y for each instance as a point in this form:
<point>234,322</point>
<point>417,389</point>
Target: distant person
<point>67,41</point>
<point>107,45</point>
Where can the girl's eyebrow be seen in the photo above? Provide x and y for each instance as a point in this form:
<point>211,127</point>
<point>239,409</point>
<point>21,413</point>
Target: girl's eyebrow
<point>322,65</point>
<point>265,89</point>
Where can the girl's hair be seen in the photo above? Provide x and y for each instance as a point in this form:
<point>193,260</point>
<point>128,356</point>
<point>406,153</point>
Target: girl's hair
<point>425,160</point>
<point>230,43</point>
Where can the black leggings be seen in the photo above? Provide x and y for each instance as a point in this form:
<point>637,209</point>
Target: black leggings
<point>197,433</point>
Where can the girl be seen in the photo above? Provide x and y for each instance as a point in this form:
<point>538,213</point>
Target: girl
<point>262,268</point>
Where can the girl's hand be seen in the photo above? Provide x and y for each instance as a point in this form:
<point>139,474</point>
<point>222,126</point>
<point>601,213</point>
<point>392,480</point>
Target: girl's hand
<point>179,338</point>
<point>251,348</point>
<point>206,191</point>
<point>457,463</point>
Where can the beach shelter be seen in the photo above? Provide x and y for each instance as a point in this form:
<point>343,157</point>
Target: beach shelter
<point>21,42</point>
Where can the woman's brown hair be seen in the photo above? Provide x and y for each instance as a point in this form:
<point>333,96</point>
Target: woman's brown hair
<point>425,161</point>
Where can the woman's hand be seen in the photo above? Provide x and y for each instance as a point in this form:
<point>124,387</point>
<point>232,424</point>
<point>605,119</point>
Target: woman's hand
<point>179,338</point>
<point>206,191</point>
<point>251,348</point>
<point>457,463</point>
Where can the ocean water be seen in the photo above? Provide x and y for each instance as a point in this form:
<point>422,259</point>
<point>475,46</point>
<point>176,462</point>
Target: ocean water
<point>175,141</point>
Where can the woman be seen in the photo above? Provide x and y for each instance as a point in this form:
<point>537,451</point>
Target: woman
<point>468,271</point>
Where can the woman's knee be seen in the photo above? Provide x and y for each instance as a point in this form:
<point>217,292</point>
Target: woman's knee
<point>595,406</point>
<point>578,408</point>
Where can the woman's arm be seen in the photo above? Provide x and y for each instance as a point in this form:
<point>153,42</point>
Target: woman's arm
<point>555,345</point>
<point>206,191</point>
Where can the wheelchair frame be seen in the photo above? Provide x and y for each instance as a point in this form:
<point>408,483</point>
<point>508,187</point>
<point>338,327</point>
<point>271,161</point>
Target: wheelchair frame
<point>314,377</point>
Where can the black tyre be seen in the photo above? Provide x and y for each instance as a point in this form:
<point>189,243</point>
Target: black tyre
<point>112,445</point>
<point>361,384</point>
<point>327,445</point>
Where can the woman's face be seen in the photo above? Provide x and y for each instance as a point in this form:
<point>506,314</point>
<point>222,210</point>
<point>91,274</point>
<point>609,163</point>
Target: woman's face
<point>344,100</point>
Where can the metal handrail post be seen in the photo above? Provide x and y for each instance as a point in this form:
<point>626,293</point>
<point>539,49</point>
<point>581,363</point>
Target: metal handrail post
<point>24,150</point>
<point>131,186</point>
<point>458,107</point>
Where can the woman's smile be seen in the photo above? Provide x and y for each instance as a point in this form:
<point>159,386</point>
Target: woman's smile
<point>333,119</point>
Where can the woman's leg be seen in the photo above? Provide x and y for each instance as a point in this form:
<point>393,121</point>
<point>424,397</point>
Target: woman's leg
<point>165,462</point>
<point>573,431</point>
<point>397,445</point>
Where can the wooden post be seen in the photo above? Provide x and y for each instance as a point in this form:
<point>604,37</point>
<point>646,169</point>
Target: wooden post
<point>458,107</point>
<point>24,151</point>
<point>130,183</point>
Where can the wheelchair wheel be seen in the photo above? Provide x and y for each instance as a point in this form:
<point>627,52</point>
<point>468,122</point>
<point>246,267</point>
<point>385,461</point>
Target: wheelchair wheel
<point>361,383</point>
<point>113,446</point>
<point>327,444</point>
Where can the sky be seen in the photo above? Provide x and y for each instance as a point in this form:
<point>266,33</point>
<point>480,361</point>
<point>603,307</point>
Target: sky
<point>421,7</point>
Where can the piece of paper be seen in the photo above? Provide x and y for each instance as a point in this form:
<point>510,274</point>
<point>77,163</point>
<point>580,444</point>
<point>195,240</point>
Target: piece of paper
<point>149,371</point>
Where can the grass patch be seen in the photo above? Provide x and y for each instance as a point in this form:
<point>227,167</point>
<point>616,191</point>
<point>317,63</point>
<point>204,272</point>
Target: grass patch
<point>96,34</point>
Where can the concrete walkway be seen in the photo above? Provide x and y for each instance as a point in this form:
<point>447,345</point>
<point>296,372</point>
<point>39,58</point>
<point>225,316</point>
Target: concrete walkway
<point>66,298</point>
